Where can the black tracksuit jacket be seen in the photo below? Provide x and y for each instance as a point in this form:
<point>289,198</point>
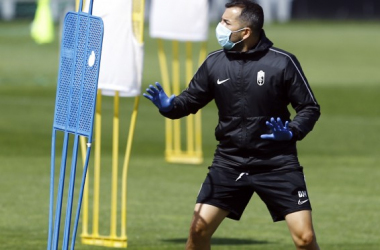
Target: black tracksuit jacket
<point>249,88</point>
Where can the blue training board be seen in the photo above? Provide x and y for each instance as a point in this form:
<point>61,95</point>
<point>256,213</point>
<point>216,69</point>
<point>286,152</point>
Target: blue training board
<point>78,73</point>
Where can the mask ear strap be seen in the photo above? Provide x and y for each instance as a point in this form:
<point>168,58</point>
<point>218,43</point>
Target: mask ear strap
<point>239,41</point>
<point>239,30</point>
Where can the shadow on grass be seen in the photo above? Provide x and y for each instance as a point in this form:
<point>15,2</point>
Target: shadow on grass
<point>223,241</point>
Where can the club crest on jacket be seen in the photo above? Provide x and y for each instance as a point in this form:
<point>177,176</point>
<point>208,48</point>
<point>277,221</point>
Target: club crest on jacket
<point>260,77</point>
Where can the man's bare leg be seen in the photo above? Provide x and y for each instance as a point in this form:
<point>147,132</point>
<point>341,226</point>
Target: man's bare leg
<point>301,228</point>
<point>206,220</point>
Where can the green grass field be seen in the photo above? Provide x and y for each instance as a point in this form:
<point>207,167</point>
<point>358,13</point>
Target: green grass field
<point>340,157</point>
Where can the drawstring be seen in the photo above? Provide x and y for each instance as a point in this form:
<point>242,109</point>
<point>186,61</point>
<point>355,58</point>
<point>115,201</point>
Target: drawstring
<point>241,175</point>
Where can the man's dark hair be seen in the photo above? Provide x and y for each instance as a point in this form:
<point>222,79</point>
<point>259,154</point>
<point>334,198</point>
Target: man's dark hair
<point>252,14</point>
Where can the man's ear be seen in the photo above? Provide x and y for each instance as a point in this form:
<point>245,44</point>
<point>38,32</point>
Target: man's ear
<point>247,33</point>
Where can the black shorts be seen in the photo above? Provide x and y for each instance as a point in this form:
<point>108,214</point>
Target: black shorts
<point>283,191</point>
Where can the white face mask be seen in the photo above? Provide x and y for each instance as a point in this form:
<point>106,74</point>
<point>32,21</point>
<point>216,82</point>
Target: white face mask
<point>223,35</point>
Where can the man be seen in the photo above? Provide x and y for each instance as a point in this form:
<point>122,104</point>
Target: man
<point>252,84</point>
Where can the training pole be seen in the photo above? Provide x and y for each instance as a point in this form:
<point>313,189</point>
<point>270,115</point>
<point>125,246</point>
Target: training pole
<point>78,73</point>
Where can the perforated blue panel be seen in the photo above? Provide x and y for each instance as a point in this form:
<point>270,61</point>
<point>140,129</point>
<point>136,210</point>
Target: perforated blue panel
<point>78,73</point>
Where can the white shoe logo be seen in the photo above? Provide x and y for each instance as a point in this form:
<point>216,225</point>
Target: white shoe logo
<point>302,202</point>
<point>220,82</point>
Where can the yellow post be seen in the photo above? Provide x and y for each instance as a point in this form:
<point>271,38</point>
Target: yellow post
<point>125,170</point>
<point>112,240</point>
<point>174,153</point>
<point>97,148</point>
<point>166,84</point>
<point>190,118</point>
<point>115,164</point>
<point>138,28</point>
<point>85,190</point>
<point>197,117</point>
<point>176,89</point>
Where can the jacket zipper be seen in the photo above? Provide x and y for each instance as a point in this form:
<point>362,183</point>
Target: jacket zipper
<point>244,121</point>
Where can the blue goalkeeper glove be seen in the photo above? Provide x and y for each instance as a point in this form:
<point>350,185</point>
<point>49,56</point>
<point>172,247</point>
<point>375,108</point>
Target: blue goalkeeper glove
<point>279,131</point>
<point>159,97</point>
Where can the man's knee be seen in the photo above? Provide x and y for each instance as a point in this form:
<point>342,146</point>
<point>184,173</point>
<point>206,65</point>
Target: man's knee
<point>199,229</point>
<point>305,239</point>
<point>206,220</point>
<point>301,228</point>
<point>199,237</point>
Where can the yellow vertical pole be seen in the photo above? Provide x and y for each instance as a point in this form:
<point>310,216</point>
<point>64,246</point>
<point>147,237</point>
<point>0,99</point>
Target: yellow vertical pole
<point>98,120</point>
<point>125,169</point>
<point>190,118</point>
<point>166,84</point>
<point>115,163</point>
<point>176,90</point>
<point>202,53</point>
<point>198,120</point>
<point>163,67</point>
<point>113,240</point>
<point>77,4</point>
<point>85,201</point>
<point>85,190</point>
<point>173,131</point>
<point>138,18</point>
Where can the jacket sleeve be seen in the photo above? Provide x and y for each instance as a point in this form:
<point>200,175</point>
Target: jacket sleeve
<point>302,100</point>
<point>194,97</point>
